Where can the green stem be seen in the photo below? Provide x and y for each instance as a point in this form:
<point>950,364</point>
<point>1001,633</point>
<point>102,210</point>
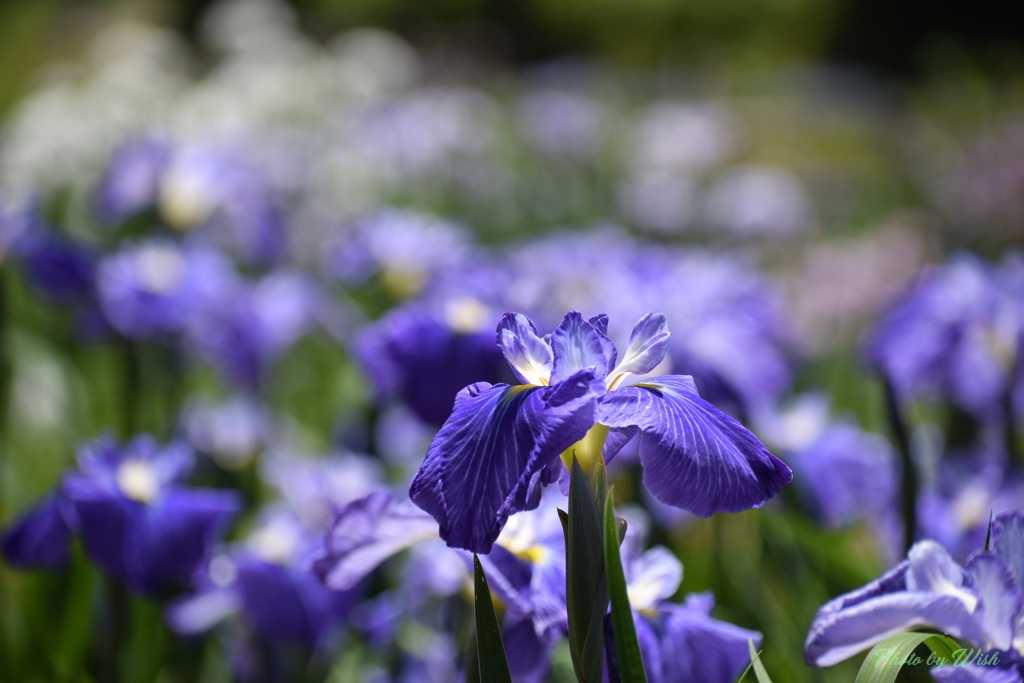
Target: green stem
<point>909,483</point>
<point>131,355</point>
<point>117,617</point>
<point>586,583</point>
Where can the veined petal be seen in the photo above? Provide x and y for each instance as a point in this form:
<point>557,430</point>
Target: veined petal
<point>497,442</point>
<point>1000,599</point>
<point>528,354</point>
<point>695,457</point>
<point>839,635</point>
<point>1008,542</point>
<point>367,532</point>
<point>578,345</point>
<point>647,344</point>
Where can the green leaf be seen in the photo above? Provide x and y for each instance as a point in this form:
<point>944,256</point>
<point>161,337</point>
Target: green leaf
<point>886,659</point>
<point>490,650</point>
<point>760,673</point>
<point>627,647</point>
<point>585,587</point>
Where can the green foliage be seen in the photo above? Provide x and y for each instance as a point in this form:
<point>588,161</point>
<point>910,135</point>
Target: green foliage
<point>886,659</point>
<point>627,648</point>
<point>490,650</point>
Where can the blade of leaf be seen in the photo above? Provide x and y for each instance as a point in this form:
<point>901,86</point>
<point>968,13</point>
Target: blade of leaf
<point>586,592</point>
<point>886,659</point>
<point>490,650</point>
<point>760,673</point>
<point>627,647</point>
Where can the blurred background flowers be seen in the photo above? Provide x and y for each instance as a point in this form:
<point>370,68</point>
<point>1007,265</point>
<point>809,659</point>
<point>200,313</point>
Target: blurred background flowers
<point>250,250</point>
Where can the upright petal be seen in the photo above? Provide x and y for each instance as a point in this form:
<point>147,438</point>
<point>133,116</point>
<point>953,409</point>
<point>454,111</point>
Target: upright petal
<point>578,345</point>
<point>932,570</point>
<point>1000,599</point>
<point>647,344</point>
<point>498,440</point>
<point>528,354</point>
<point>1008,542</point>
<point>695,456</point>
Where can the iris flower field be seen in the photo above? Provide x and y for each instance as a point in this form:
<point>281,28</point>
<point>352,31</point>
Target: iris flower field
<point>338,354</point>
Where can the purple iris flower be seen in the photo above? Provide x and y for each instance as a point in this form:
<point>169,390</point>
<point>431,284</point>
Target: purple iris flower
<point>265,581</point>
<point>980,603</point>
<point>135,520</point>
<point>150,289</point>
<point>679,642</point>
<point>492,456</point>
<point>955,333</point>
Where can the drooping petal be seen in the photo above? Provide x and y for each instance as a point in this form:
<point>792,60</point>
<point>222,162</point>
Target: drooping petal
<point>694,456</point>
<point>39,538</point>
<point>103,521</point>
<point>483,462</point>
<point>578,345</point>
<point>1000,599</point>
<point>842,634</point>
<point>699,648</point>
<point>647,344</point>
<point>528,354</point>
<point>289,604</point>
<point>367,532</point>
<point>531,660</point>
<point>170,539</point>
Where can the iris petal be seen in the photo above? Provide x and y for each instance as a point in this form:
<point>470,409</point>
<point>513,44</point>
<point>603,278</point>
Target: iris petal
<point>1008,542</point>
<point>647,344</point>
<point>367,532</point>
<point>529,355</point>
<point>1000,599</point>
<point>842,634</point>
<point>485,460</point>
<point>695,457</point>
<point>39,538</point>
<point>578,345</point>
